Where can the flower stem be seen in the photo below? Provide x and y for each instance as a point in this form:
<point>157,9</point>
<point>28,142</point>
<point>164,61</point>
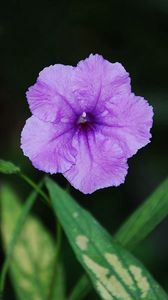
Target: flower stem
<point>35,187</point>
<point>56,262</point>
<point>57,255</point>
<point>81,289</point>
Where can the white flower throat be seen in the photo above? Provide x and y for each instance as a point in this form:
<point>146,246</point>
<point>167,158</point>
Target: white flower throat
<point>83,118</point>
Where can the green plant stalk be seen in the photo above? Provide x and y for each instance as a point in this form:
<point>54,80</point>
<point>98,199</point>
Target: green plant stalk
<point>58,252</point>
<point>82,288</point>
<point>135,229</point>
<point>56,261</point>
<point>35,187</point>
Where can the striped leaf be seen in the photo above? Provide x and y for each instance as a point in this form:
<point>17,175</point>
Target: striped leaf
<point>114,272</point>
<point>32,261</point>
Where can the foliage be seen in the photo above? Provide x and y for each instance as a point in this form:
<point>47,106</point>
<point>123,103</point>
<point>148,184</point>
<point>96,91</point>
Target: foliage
<point>34,259</point>
<point>32,262</point>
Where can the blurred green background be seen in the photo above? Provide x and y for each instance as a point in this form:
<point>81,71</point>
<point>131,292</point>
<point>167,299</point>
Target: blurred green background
<point>35,34</point>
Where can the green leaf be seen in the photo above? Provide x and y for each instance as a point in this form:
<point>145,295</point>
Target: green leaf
<point>115,273</point>
<point>8,167</point>
<point>33,257</point>
<point>138,226</point>
<point>145,218</point>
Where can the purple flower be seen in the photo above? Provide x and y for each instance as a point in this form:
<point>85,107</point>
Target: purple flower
<point>86,123</point>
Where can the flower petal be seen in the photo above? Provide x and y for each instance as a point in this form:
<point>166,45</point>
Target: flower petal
<point>48,145</point>
<point>96,80</point>
<point>51,98</point>
<point>128,121</point>
<point>99,163</point>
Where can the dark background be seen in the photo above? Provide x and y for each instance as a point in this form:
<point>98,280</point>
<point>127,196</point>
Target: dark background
<point>35,34</point>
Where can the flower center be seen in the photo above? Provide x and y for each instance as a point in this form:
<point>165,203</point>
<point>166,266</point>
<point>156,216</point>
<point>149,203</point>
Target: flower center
<point>85,120</point>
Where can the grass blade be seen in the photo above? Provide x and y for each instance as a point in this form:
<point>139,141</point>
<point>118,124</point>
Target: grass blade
<point>145,219</point>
